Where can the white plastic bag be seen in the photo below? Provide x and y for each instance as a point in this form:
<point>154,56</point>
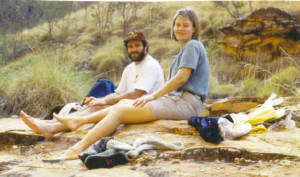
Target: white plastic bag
<point>287,123</point>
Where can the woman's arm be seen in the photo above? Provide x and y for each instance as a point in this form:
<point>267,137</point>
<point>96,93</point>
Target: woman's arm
<point>114,98</point>
<point>174,83</point>
<point>177,81</point>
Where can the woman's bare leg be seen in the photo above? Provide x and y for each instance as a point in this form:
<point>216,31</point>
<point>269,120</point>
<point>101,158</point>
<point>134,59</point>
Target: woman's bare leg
<point>48,128</point>
<point>120,114</point>
<point>75,121</point>
<point>85,111</point>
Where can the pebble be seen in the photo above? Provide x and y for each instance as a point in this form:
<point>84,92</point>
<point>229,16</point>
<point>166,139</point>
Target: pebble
<point>176,161</point>
<point>133,168</point>
<point>189,153</point>
<point>236,160</point>
<point>248,161</point>
<point>285,163</point>
<point>263,174</point>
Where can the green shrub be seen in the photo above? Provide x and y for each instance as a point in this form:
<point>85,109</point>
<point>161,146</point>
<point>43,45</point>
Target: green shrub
<point>285,80</point>
<point>266,89</point>
<point>163,48</point>
<point>282,83</point>
<point>220,89</point>
<point>110,56</point>
<point>249,87</point>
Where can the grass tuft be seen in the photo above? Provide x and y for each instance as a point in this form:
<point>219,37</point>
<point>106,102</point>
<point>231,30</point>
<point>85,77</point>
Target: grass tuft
<point>42,81</point>
<point>109,56</point>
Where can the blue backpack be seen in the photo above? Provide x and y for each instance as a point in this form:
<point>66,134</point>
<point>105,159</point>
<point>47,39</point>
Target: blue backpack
<point>101,88</point>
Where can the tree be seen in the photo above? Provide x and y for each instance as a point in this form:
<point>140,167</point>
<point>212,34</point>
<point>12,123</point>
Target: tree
<point>128,11</point>
<point>232,7</point>
<point>13,20</point>
<point>15,15</point>
<point>103,15</point>
<point>52,11</point>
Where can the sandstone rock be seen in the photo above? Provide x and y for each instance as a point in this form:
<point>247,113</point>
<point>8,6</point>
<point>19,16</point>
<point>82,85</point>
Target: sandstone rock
<point>266,31</point>
<point>252,152</point>
<point>234,105</point>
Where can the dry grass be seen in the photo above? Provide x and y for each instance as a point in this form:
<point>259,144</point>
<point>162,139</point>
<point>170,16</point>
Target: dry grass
<point>217,89</point>
<point>110,58</point>
<point>282,83</point>
<point>43,80</point>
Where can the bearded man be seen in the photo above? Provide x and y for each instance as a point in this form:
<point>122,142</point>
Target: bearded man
<point>141,77</point>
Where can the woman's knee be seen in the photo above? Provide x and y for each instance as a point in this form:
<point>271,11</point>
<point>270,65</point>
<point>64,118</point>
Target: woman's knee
<point>119,112</point>
<point>125,101</point>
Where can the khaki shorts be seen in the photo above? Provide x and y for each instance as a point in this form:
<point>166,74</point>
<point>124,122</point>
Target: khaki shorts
<point>176,107</point>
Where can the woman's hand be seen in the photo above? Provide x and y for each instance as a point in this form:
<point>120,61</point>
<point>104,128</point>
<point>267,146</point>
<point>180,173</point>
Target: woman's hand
<point>140,102</point>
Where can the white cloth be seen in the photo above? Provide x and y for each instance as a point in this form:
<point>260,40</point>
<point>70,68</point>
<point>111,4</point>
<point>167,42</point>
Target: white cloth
<point>228,131</point>
<point>146,75</point>
<point>141,144</point>
<point>67,109</point>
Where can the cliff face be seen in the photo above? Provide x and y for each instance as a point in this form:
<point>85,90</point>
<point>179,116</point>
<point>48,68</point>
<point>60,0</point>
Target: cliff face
<point>272,154</point>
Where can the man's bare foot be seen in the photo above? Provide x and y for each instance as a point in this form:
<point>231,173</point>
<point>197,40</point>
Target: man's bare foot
<point>38,126</point>
<point>71,123</point>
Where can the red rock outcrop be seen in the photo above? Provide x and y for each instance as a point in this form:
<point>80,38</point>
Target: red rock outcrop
<point>265,31</point>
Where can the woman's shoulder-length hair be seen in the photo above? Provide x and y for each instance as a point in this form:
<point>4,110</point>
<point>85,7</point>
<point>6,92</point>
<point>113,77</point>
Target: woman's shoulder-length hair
<point>192,15</point>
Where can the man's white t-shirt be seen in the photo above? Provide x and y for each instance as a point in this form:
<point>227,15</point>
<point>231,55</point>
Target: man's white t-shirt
<point>146,75</point>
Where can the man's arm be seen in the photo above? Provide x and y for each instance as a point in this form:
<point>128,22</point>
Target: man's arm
<point>114,98</point>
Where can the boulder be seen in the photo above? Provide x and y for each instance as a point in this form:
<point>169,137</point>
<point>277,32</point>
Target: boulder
<point>233,105</point>
<point>269,31</point>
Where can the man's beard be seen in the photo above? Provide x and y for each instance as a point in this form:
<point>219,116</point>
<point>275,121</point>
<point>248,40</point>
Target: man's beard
<point>140,56</point>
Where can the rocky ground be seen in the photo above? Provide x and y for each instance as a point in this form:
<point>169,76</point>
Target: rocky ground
<point>277,153</point>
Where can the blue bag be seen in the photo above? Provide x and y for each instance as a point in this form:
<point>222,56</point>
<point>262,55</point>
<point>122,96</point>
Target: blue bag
<point>208,127</point>
<point>101,88</point>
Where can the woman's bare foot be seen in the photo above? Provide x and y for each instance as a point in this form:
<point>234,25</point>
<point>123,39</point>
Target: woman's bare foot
<point>38,126</point>
<point>71,123</point>
<point>70,154</point>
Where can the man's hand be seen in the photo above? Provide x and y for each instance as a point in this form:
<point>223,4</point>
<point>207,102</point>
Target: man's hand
<point>96,101</point>
<point>140,102</point>
<point>88,100</point>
